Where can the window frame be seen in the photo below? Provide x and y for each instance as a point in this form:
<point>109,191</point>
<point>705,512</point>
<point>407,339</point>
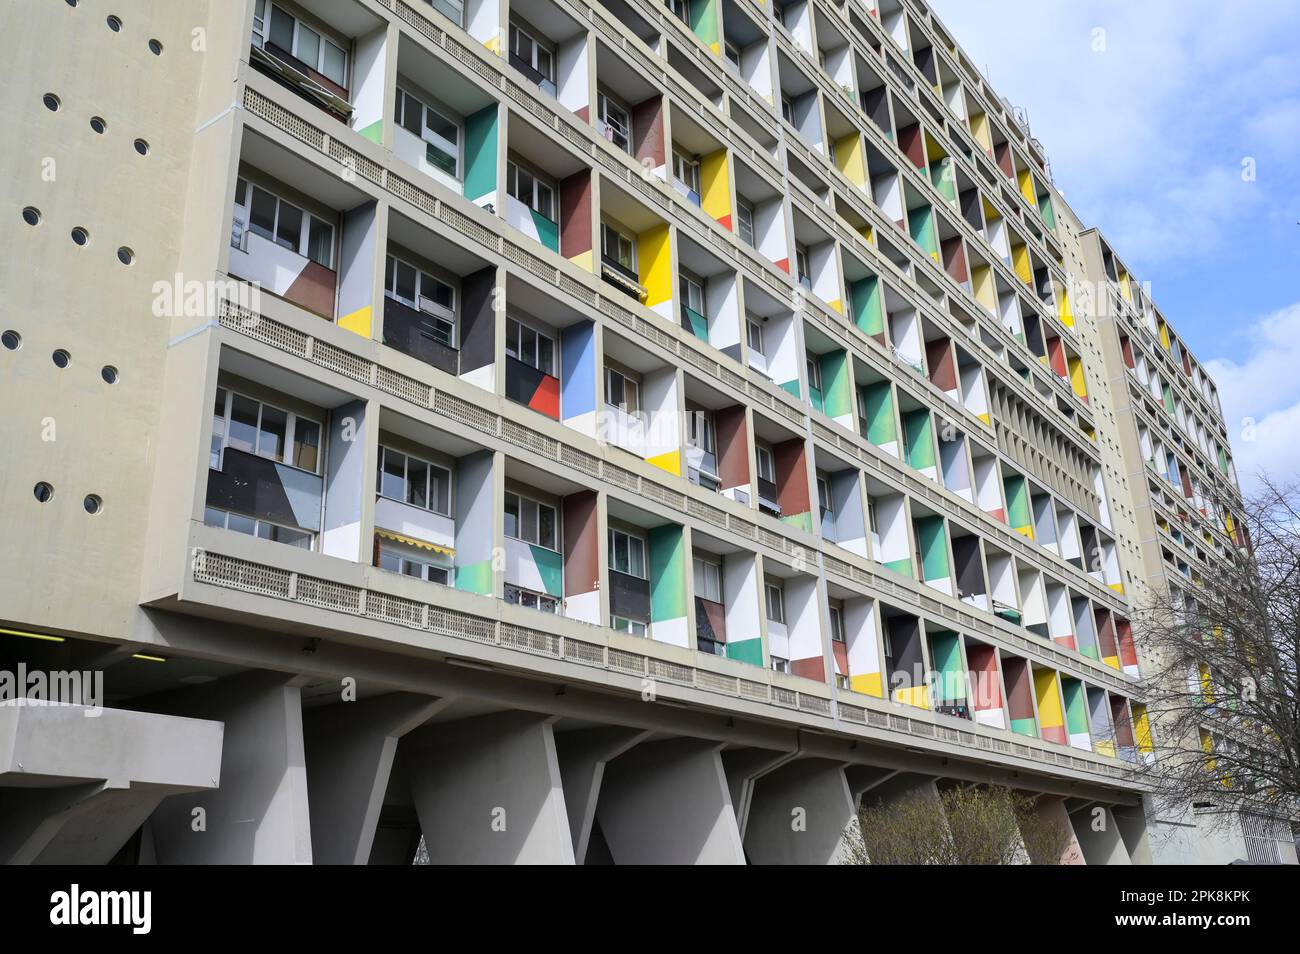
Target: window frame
<point>629,385</point>
<point>292,419</point>
<point>605,101</point>
<point>607,228</point>
<point>755,329</point>
<point>761,451</point>
<point>384,451</point>
<point>612,535</point>
<point>745,221</point>
<point>443,315</point>
<point>515,29</point>
<point>540,182</point>
<point>427,133</point>
<point>426,564</point>
<point>304,244</point>
<point>269,6</point>
<point>539,336</point>
<point>688,281</point>
<point>779,590</point>
<point>700,570</point>
<point>683,163</point>
<point>540,599</point>
<point>258,524</point>
<point>521,500</point>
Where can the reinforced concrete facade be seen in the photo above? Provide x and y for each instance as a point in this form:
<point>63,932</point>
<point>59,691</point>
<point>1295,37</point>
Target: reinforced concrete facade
<point>565,433</point>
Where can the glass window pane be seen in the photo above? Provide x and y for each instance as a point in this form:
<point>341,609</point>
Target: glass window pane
<point>546,201</point>
<point>440,489</point>
<point>512,516</point>
<point>308,46</point>
<point>412,113</point>
<point>442,127</point>
<point>546,527</point>
<point>512,337</point>
<point>636,554</point>
<point>281,29</point>
<point>440,158</point>
<point>243,424</point>
<point>306,444</point>
<point>406,282</point>
<point>261,214</point>
<point>334,65</point>
<point>417,482</point>
<point>275,425</point>
<point>213,517</point>
<point>392,479</point>
<point>389,560</point>
<point>320,242</point>
<point>528,347</point>
<point>241,524</point>
<point>288,230</point>
<point>546,355</point>
<point>528,520</point>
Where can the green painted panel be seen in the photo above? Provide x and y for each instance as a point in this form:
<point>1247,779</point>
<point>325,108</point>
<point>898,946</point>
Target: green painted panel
<point>746,650</point>
<point>1047,212</point>
<point>550,566</point>
<point>1076,709</point>
<point>1169,398</point>
<point>547,231</point>
<point>868,305</point>
<point>836,398</point>
<point>920,223</point>
<point>903,566</point>
<point>699,324</point>
<point>933,543</point>
<point>475,577</point>
<point>947,662</point>
<point>801,520</point>
<point>481,152</point>
<point>919,441</point>
<point>1089,650</point>
<point>704,21</point>
<point>792,387</point>
<point>943,176</point>
<point>374,132</point>
<point>667,573</point>
<point>878,401</point>
<point>815,399</point>
<point>1017,501</point>
<point>1024,727</point>
<point>1223,460</point>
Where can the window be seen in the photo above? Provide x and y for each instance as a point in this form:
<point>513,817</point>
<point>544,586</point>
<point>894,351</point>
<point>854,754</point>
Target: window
<point>531,599</point>
<point>411,561</point>
<point>708,580</point>
<point>253,427</point>
<point>787,109</point>
<point>626,554</point>
<point>300,41</point>
<point>453,10</point>
<point>814,371</point>
<point>617,247</point>
<point>780,664</point>
<point>530,346</point>
<point>281,222</point>
<point>530,521</point>
<point>837,624</point>
<point>622,392</point>
<point>441,134</point>
<point>531,190</point>
<point>634,627</point>
<point>801,263</point>
<point>681,9</point>
<point>824,497</point>
<point>745,221</point>
<point>618,124</point>
<point>755,337</point>
<point>732,53</point>
<point>775,603</point>
<point>766,464</point>
<point>274,532</point>
<point>692,292</point>
<point>532,53</point>
<point>699,431</point>
<point>413,481</point>
<point>432,297</point>
<point>686,171</point>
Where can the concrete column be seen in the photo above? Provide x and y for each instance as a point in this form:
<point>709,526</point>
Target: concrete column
<point>583,755</point>
<point>77,825</point>
<point>1099,836</point>
<point>743,768</point>
<point>488,791</point>
<point>259,815</point>
<point>1132,822</point>
<point>799,814</point>
<point>667,803</point>
<point>350,748</point>
<point>1051,810</point>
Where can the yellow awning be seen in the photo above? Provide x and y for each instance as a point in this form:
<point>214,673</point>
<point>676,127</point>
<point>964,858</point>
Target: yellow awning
<point>412,542</point>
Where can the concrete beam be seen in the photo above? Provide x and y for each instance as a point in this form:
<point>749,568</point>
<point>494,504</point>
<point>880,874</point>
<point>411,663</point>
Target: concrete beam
<point>744,767</point>
<point>668,803</point>
<point>1099,836</point>
<point>583,755</point>
<point>1051,810</point>
<point>350,748</point>
<point>799,814</point>
<point>488,790</point>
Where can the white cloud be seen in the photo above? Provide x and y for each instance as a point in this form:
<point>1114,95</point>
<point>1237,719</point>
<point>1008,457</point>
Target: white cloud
<point>1261,397</point>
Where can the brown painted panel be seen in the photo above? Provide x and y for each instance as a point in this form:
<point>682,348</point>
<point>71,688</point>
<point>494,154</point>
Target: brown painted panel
<point>792,477</point>
<point>711,619</point>
<point>648,131</point>
<point>814,667</point>
<point>943,370</point>
<point>581,539</point>
<point>1020,698</point>
<point>575,214</point>
<point>954,259</point>
<point>314,290</point>
<point>733,446</point>
<point>909,140</point>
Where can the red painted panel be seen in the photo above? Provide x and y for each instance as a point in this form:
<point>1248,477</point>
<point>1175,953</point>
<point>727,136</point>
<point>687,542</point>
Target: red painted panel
<point>648,131</point>
<point>1054,733</point>
<point>783,264</point>
<point>1127,347</point>
<point>1127,649</point>
<point>841,653</point>
<point>954,259</point>
<point>1002,154</point>
<point>1056,354</point>
<point>313,289</point>
<point>575,214</point>
<point>733,446</point>
<point>792,476</point>
<point>1105,632</point>
<point>986,687</point>
<point>581,544</point>
<point>546,398</point>
<point>943,370</point>
<point>909,140</point>
<point>1067,641</point>
<point>814,667</point>
<point>1119,714</point>
<point>1020,693</point>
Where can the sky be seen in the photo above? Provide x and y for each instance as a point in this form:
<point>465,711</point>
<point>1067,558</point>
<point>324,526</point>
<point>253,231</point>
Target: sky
<point>1174,127</point>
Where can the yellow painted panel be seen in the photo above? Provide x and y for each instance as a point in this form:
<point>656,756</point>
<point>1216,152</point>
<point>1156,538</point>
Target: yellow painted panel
<point>1077,380</point>
<point>1020,261</point>
<point>849,158</point>
<point>1050,713</point>
<point>982,282</point>
<point>715,186</point>
<point>869,684</point>
<point>1063,310</point>
<point>1125,288</point>
<point>1117,587</point>
<point>1164,335</point>
<point>357,322</point>
<point>837,305</point>
<point>1104,747</point>
<point>655,264</point>
<point>990,213</point>
<point>1142,728</point>
<point>979,128</point>
<point>918,696</point>
<point>1026,181</point>
<point>671,462</point>
<point>583,260</point>
<point>1027,532</point>
<point>1111,661</point>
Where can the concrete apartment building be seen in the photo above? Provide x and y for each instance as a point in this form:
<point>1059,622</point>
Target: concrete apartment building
<point>566,432</point>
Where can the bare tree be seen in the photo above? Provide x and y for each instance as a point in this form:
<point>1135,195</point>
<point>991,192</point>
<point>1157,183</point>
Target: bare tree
<point>1220,673</point>
<point>964,825</point>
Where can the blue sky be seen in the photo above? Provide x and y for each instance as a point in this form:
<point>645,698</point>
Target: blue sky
<point>1148,111</point>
